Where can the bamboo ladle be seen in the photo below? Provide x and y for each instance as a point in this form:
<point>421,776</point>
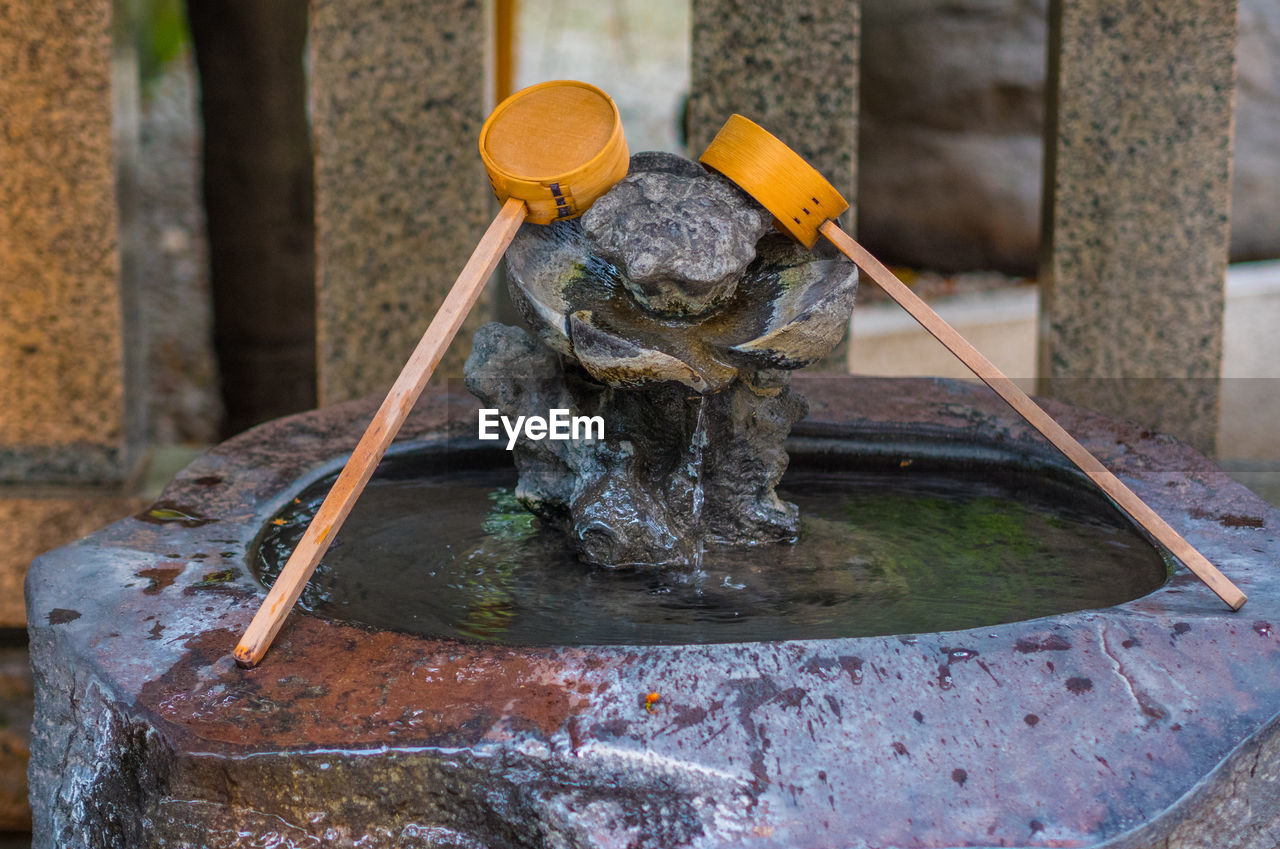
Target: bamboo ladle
<point>804,206</point>
<point>550,150</point>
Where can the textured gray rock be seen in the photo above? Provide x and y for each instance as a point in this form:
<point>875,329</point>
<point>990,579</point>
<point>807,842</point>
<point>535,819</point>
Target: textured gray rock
<point>1159,715</point>
<point>611,300</point>
<point>673,471</point>
<point>680,242</point>
<point>788,310</point>
<point>109,765</point>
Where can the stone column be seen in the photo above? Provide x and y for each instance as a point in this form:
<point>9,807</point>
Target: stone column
<point>793,69</point>
<point>71,425</point>
<point>70,421</point>
<point>398,95</point>
<point>64,414</point>
<point>1138,159</point>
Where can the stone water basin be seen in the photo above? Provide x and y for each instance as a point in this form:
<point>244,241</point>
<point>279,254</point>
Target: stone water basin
<point>1148,722</point>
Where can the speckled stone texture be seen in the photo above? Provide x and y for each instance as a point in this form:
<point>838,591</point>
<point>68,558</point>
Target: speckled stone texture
<point>793,69</point>
<point>1136,214</point>
<point>398,97</point>
<point>790,67</point>
<point>1154,723</point>
<point>33,524</point>
<point>62,363</point>
<point>680,241</point>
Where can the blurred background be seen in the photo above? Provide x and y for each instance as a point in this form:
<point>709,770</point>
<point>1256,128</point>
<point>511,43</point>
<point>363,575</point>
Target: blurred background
<point>951,103</point>
<point>950,161</point>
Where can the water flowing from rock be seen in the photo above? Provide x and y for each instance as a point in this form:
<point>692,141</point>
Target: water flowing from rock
<point>697,445</point>
<point>674,313</point>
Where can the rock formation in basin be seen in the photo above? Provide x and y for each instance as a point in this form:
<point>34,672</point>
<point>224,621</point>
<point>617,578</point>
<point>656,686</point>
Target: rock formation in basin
<point>673,311</point>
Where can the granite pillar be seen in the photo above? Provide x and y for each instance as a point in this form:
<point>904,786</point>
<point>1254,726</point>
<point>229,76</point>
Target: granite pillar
<point>71,357</point>
<point>66,411</point>
<point>398,95</point>
<point>1138,161</point>
<point>790,67</point>
<point>793,69</point>
<point>71,421</point>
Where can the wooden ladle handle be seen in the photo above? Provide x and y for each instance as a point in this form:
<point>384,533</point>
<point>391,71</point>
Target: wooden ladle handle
<point>550,151</point>
<point>1036,417</point>
<point>804,205</point>
<point>377,437</point>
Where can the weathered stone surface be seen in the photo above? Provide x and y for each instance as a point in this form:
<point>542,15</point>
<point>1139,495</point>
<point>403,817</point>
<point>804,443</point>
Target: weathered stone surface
<point>35,524</point>
<point>1154,720</point>
<point>398,97</point>
<point>670,472</point>
<point>1136,228</point>
<point>721,304</point>
<point>788,309</point>
<point>62,357</point>
<point>680,241</point>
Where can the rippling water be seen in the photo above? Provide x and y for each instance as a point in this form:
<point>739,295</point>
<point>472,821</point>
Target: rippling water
<point>881,552</point>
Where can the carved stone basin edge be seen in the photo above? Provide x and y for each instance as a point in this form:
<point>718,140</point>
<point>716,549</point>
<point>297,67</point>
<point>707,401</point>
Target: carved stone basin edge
<point>1150,721</point>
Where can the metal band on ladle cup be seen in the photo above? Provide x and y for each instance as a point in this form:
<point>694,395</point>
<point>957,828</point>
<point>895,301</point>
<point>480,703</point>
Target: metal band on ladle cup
<point>804,205</point>
<point>557,146</point>
<point>551,150</point>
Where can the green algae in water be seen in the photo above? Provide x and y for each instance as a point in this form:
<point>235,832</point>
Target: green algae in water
<point>881,552</point>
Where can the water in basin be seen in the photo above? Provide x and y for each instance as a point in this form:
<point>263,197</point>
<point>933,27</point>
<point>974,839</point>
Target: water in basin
<point>895,548</point>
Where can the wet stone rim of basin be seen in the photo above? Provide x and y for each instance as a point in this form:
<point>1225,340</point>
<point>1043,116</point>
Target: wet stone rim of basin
<point>1088,728</point>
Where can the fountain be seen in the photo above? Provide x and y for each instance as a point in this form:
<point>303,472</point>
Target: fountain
<point>952,640</point>
<point>671,314</point>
